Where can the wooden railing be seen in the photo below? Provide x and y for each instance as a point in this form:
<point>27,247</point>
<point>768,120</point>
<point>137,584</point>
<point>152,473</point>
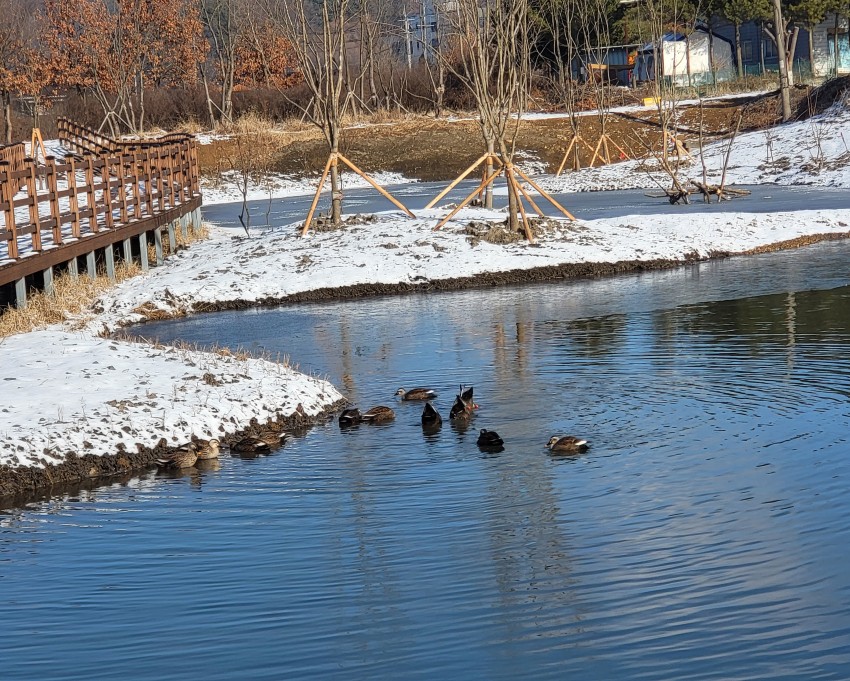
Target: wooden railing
<point>65,208</point>
<point>14,155</point>
<point>84,140</point>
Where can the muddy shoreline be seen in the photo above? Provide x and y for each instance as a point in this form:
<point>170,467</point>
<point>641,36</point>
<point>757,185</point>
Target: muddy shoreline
<point>516,277</point>
<point>19,485</point>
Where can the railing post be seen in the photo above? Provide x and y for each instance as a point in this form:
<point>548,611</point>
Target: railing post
<point>137,197</point>
<point>149,182</point>
<point>7,196</point>
<point>106,185</point>
<point>53,198</point>
<point>73,199</point>
<point>32,204</point>
<point>91,197</point>
<point>122,188</point>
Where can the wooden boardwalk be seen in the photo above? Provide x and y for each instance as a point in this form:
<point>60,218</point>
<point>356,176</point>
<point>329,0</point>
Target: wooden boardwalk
<point>105,199</point>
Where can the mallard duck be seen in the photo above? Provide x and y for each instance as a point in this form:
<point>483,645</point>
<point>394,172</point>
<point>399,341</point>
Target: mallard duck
<point>567,444</point>
<point>207,449</point>
<point>184,457</point>
<point>416,394</point>
<point>250,445</point>
<point>350,417</point>
<point>273,438</point>
<point>460,411</point>
<point>378,415</point>
<point>431,417</point>
<point>489,438</point>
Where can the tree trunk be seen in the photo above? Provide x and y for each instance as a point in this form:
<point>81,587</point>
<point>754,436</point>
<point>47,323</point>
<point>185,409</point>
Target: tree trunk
<point>210,110</point>
<point>784,82</point>
<point>790,51</point>
<point>739,55</point>
<point>488,170</point>
<point>7,116</point>
<point>336,186</point>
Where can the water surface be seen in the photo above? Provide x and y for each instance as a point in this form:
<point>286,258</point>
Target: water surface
<point>703,536</point>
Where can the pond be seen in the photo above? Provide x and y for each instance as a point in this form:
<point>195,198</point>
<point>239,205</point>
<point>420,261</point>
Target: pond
<point>704,535</point>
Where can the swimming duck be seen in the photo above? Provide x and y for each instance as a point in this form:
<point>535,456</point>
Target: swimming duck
<point>378,415</point>
<point>463,406</point>
<point>273,438</point>
<point>416,394</point>
<point>207,449</point>
<point>185,457</point>
<point>350,417</point>
<point>250,445</point>
<point>431,417</point>
<point>567,444</point>
<point>489,438</point>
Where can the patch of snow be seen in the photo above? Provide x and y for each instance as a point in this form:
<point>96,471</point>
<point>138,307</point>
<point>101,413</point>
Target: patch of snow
<point>226,188</point>
<point>811,152</point>
<point>72,392</point>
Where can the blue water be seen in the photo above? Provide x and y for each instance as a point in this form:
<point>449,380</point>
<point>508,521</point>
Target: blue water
<point>703,536</point>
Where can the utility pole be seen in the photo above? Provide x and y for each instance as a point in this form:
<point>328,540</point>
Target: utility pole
<point>779,33</point>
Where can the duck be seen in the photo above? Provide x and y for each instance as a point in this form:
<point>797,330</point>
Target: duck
<point>184,457</point>
<point>207,449</point>
<point>463,406</point>
<point>350,417</point>
<point>567,444</point>
<point>250,445</point>
<point>378,415</point>
<point>416,394</point>
<point>431,417</point>
<point>489,438</point>
<point>273,438</point>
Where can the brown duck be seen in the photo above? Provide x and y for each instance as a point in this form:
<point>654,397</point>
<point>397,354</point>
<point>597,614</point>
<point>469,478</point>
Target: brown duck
<point>431,417</point>
<point>416,394</point>
<point>207,449</point>
<point>378,415</point>
<point>250,445</point>
<point>184,457</point>
<point>567,444</point>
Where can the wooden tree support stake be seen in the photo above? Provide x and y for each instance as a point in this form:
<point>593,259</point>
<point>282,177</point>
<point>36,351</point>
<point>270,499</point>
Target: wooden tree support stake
<point>333,160</point>
<point>546,196</point>
<point>459,178</point>
<point>484,183</point>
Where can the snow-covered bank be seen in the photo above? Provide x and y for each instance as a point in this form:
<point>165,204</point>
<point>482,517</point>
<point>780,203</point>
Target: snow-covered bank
<point>815,152</point>
<point>72,392</point>
<point>272,265</point>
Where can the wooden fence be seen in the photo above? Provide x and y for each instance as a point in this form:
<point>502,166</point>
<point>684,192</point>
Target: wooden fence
<point>67,207</point>
<point>15,156</point>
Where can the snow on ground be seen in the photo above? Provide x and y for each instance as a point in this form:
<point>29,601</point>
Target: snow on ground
<point>277,263</point>
<point>74,392</point>
<point>811,152</point>
<point>227,187</point>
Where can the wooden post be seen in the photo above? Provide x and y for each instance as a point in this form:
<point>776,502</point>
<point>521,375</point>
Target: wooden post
<point>7,195</point>
<point>143,251</point>
<point>513,186</point>
<point>134,183</point>
<point>157,241</point>
<point>159,182</point>
<point>331,161</point>
<point>91,267</point>
<point>147,167</point>
<point>32,199</point>
<point>73,199</point>
<point>122,188</point>
<point>47,274</point>
<point>21,293</point>
<point>53,199</point>
<point>109,256</point>
<point>91,199</point>
<point>106,193</point>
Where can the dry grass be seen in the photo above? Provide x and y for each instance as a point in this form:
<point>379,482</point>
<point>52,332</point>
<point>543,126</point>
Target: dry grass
<point>73,295</point>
